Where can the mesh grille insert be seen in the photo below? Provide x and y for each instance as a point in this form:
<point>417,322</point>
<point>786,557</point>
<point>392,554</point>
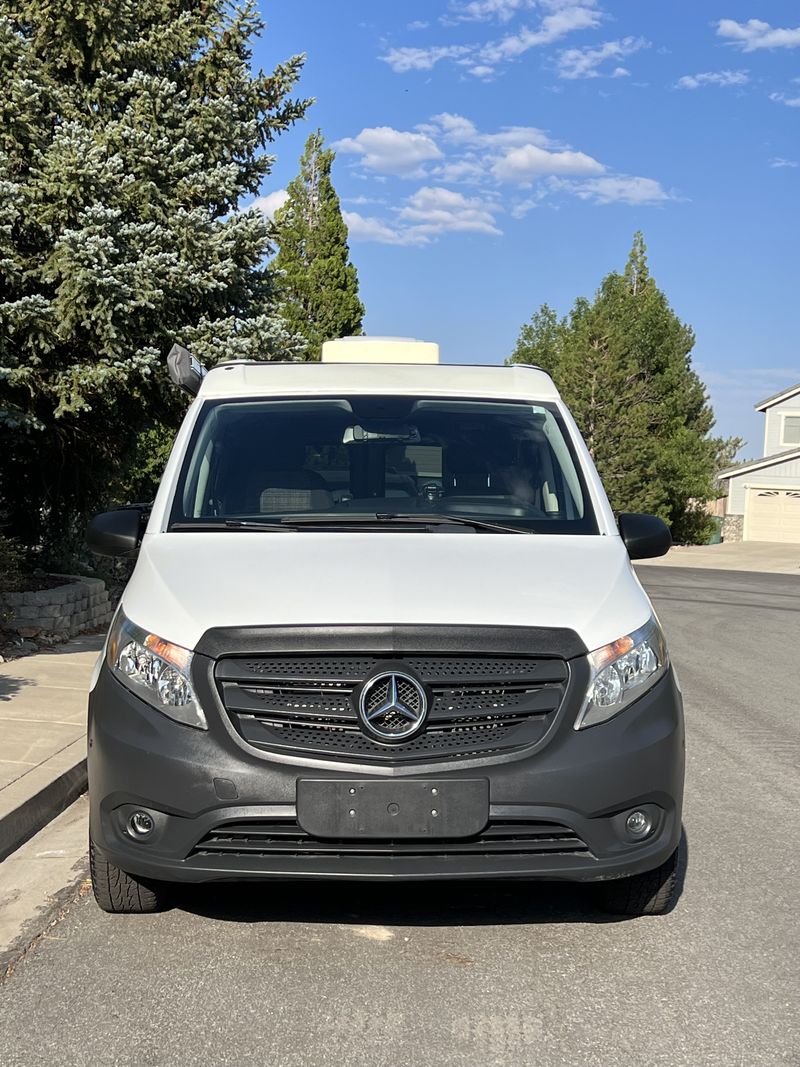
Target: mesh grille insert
<point>308,703</point>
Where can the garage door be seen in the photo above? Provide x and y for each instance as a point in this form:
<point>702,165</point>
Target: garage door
<point>772,515</point>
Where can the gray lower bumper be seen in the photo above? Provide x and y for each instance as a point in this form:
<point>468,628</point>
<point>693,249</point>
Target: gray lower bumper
<point>584,781</point>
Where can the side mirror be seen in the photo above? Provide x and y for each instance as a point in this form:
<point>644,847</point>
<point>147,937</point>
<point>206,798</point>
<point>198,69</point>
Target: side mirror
<point>645,536</point>
<point>116,533</point>
<point>185,370</point>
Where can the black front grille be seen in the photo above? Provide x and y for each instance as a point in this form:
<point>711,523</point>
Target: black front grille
<point>306,703</point>
<point>283,837</point>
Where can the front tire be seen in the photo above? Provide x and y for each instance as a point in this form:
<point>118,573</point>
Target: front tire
<point>117,891</point>
<point>649,893</point>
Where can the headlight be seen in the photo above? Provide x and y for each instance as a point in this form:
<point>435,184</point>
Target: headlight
<point>155,670</point>
<point>622,672</point>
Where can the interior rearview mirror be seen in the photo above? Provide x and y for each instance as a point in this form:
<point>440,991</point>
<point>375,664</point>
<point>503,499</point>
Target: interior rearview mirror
<point>116,533</point>
<point>381,431</point>
<point>645,536</point>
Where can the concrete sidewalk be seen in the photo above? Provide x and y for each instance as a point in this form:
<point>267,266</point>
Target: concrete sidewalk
<point>42,736</point>
<point>757,556</point>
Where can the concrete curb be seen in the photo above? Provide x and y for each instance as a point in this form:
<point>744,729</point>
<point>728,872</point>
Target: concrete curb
<point>35,812</point>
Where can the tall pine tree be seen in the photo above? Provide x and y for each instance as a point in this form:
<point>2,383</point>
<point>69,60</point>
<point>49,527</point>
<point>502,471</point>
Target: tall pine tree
<point>317,282</point>
<point>623,365</point>
<point>129,134</point>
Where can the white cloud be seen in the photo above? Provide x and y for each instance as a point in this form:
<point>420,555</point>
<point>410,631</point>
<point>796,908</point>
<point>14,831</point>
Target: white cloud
<point>782,98</point>
<point>461,130</point>
<point>584,62</point>
<point>449,148</point>
<point>469,169</point>
<point>480,70</point>
<point>418,24</point>
<point>363,228</point>
<point>562,18</point>
<point>270,203</point>
<point>562,21</point>
<point>523,164</point>
<point>620,189</point>
<point>389,151</point>
<point>359,201</point>
<point>778,161</point>
<point>523,207</point>
<point>755,34</point>
<point>426,214</point>
<point>722,78</point>
<point>486,10</point>
<point>434,210</point>
<point>402,60</point>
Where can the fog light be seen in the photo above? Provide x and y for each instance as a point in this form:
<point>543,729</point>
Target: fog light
<point>639,824</point>
<point>140,824</point>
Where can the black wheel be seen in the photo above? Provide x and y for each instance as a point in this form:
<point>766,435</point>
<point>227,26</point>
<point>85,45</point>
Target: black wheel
<point>116,891</point>
<point>650,893</point>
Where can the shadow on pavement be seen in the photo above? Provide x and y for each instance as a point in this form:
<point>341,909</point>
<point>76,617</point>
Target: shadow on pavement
<point>10,686</point>
<point>403,903</point>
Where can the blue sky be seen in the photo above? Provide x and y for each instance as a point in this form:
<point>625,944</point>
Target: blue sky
<point>496,154</point>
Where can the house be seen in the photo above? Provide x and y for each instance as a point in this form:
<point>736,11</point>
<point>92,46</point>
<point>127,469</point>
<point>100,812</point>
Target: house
<point>763,501</point>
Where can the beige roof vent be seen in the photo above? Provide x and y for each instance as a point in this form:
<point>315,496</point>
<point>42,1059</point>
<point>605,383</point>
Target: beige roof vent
<point>379,350</point>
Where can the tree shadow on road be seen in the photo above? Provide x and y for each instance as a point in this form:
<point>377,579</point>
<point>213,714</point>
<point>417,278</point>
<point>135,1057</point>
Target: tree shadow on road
<point>10,686</point>
<point>403,903</point>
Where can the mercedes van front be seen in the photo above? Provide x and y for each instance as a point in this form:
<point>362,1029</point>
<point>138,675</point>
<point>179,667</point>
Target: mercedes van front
<point>383,624</point>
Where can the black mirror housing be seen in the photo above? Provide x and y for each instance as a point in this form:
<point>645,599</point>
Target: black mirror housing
<point>645,536</point>
<point>185,370</point>
<point>116,533</point>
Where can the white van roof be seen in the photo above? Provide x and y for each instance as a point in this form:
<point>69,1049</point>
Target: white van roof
<point>250,379</point>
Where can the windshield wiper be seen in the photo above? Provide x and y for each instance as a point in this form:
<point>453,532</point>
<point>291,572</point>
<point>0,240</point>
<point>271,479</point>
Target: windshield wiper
<point>229,524</point>
<point>300,522</point>
<point>401,518</point>
<point>447,520</point>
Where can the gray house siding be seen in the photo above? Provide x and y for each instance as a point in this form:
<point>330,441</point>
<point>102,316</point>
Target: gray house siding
<point>779,476</point>
<point>772,431</point>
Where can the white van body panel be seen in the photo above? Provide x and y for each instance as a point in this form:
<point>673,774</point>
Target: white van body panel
<point>186,583</point>
<point>376,379</point>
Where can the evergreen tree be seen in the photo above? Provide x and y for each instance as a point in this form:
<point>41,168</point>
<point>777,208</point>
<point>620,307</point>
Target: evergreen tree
<point>623,365</point>
<point>129,133</point>
<point>317,282</point>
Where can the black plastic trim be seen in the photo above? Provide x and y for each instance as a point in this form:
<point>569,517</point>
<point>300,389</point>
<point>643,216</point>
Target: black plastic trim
<point>488,640</point>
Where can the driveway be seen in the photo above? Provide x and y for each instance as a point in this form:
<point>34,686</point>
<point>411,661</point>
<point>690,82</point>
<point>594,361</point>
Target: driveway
<point>485,974</point>
<point>754,556</point>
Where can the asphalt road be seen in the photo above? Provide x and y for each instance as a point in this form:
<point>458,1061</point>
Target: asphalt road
<point>487,973</point>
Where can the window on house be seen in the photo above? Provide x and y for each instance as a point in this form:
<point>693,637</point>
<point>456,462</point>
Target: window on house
<point>791,430</point>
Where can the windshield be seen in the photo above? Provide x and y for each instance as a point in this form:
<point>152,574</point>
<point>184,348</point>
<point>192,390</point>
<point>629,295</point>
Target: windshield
<point>267,461</point>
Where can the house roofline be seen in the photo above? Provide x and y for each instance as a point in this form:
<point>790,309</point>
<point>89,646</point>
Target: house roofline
<point>784,394</point>
<point>756,464</point>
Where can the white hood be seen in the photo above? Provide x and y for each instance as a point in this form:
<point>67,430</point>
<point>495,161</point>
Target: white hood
<point>185,583</point>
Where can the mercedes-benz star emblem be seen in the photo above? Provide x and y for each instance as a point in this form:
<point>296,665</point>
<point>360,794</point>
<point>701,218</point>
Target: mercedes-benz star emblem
<point>392,706</point>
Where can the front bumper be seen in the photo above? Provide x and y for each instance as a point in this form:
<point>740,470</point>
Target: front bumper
<point>195,784</point>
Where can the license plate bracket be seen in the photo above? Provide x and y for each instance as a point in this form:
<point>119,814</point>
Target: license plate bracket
<point>392,809</point>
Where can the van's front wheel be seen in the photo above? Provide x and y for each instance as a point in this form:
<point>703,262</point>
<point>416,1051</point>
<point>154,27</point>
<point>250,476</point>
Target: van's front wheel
<point>117,891</point>
<point>650,893</point>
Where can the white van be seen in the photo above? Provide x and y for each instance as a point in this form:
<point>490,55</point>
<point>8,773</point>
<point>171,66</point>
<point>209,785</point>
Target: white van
<point>382,625</point>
